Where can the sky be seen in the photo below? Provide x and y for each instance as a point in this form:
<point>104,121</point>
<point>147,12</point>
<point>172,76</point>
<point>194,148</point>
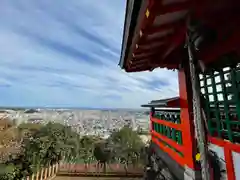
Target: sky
<point>62,53</point>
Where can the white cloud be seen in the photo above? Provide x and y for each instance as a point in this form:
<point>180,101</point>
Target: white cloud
<point>66,54</point>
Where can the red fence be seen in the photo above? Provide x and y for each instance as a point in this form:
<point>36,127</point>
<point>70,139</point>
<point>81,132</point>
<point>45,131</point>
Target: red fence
<point>111,170</point>
<point>95,168</point>
<point>228,149</point>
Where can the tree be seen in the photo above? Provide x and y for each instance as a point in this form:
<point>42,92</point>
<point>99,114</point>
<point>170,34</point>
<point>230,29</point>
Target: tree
<point>86,148</point>
<point>60,141</point>
<point>28,129</point>
<point>10,141</point>
<point>40,146</point>
<point>127,145</point>
<point>102,154</point>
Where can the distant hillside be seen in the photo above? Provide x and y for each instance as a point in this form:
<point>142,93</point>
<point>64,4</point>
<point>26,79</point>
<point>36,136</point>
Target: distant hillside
<point>12,108</point>
<point>73,108</point>
<point>31,111</point>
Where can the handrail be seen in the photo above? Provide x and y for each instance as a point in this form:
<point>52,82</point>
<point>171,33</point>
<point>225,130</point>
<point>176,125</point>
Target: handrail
<point>166,123</point>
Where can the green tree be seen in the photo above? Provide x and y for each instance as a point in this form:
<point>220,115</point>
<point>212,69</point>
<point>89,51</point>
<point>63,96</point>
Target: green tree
<point>127,145</point>
<point>10,141</point>
<point>86,148</point>
<point>41,146</point>
<point>102,154</point>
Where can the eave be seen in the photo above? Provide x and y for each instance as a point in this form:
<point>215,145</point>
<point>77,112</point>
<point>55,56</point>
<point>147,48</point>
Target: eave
<point>164,103</point>
<point>155,31</point>
<point>131,17</point>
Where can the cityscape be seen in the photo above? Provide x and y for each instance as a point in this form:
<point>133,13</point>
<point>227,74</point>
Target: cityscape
<point>85,122</point>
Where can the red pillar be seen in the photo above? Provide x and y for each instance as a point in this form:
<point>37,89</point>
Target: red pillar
<point>151,123</point>
<point>229,164</point>
<point>189,142</point>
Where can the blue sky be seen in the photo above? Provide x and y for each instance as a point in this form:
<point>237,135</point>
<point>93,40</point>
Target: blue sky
<point>65,54</point>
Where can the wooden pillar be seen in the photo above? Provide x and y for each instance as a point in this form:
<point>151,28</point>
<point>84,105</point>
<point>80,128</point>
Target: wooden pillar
<point>45,173</point>
<point>37,175</point>
<point>54,169</point>
<point>188,134</point>
<point>49,171</point>
<point>41,176</point>
<point>57,166</point>
<point>68,166</point>
<point>74,167</point>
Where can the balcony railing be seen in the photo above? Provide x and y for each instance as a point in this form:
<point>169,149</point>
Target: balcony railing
<point>167,132</point>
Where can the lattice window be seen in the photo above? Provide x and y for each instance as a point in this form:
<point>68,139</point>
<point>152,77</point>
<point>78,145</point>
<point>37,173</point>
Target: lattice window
<point>221,92</point>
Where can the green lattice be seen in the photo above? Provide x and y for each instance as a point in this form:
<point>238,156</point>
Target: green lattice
<point>173,117</point>
<point>169,132</point>
<point>220,90</point>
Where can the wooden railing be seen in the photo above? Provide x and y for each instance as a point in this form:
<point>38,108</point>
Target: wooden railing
<point>166,131</point>
<point>45,173</point>
<point>68,169</point>
<point>98,170</point>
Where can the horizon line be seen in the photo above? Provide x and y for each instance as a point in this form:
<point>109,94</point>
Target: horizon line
<point>51,107</point>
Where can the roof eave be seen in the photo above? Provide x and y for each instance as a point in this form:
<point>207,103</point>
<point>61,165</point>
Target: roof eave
<point>129,7</point>
<point>169,102</point>
<point>132,10</point>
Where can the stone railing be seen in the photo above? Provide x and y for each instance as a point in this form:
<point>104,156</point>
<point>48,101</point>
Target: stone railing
<point>45,173</point>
